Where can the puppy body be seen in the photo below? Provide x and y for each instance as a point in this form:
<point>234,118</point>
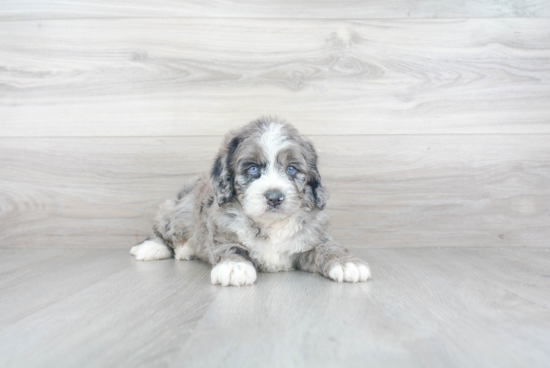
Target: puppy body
<point>261,208</point>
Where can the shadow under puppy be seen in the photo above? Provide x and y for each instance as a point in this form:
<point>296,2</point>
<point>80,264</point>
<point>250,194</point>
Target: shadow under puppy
<point>261,208</point>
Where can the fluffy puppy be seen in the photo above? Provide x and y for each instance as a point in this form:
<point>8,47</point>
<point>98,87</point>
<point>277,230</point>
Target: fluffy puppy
<point>261,208</point>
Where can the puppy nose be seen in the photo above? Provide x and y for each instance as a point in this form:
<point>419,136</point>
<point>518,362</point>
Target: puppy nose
<point>274,198</point>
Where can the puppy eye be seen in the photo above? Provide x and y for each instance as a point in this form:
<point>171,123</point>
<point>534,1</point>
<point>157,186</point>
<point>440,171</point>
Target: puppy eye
<point>253,170</point>
<point>291,170</point>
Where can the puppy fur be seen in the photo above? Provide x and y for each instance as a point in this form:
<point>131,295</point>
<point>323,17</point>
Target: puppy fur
<point>260,208</point>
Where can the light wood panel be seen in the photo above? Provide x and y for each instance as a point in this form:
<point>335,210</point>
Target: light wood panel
<point>423,308</point>
<point>387,191</point>
<point>98,303</point>
<point>36,9</point>
<point>420,310</point>
<point>165,77</point>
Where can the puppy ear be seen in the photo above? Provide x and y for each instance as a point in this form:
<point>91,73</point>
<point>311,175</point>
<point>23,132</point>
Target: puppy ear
<point>221,181</point>
<point>222,174</point>
<point>320,195</point>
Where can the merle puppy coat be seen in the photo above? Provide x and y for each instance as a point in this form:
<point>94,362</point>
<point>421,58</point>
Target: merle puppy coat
<point>261,208</point>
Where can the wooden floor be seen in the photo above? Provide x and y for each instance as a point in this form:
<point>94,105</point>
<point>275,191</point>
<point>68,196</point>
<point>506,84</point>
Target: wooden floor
<point>447,307</point>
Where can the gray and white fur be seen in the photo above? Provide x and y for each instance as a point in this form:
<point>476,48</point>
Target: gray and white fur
<point>261,208</point>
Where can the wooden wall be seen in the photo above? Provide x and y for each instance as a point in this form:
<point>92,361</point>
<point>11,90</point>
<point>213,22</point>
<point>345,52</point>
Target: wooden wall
<point>432,118</point>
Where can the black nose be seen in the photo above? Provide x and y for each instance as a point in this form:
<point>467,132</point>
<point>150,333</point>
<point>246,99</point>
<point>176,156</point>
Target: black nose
<point>274,198</point>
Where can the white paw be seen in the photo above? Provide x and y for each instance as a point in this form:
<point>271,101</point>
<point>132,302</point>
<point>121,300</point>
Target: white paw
<point>350,272</point>
<point>150,250</point>
<point>233,273</point>
<point>184,252</point>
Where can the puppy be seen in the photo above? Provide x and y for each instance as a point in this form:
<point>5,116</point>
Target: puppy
<point>260,209</point>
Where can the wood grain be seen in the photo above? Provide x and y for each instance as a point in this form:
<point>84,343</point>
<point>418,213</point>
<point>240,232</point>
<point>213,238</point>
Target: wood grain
<point>423,308</point>
<point>97,303</point>
<point>420,310</point>
<point>387,191</point>
<point>166,77</point>
<point>355,9</point>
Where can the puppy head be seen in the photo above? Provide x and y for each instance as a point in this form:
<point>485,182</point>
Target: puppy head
<point>270,169</point>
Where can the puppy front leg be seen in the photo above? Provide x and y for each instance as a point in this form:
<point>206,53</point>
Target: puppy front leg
<point>232,267</point>
<point>334,262</point>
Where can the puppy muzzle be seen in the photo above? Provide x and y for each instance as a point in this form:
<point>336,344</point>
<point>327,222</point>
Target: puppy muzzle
<point>274,198</point>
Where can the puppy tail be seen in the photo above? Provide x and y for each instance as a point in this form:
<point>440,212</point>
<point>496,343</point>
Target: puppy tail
<point>151,249</point>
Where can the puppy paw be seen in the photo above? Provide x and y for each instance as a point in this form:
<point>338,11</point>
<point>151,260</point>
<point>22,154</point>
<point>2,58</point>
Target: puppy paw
<point>350,271</point>
<point>184,252</point>
<point>233,273</point>
<point>150,250</point>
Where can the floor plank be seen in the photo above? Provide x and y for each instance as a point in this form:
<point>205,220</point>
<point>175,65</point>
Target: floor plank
<point>386,191</point>
<point>34,9</point>
<point>165,77</point>
<point>476,310</point>
<point>45,282</point>
<point>104,309</point>
<point>423,308</point>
